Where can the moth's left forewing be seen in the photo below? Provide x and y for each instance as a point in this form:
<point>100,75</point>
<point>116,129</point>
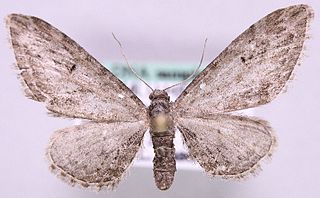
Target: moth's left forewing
<point>57,71</point>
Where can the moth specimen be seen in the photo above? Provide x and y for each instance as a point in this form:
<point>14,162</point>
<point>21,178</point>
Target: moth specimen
<point>250,72</point>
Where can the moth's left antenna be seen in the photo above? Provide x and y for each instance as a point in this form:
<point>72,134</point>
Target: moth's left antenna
<point>131,68</point>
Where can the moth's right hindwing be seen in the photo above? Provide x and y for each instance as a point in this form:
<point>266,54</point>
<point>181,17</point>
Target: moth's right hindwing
<point>57,71</point>
<point>227,145</point>
<point>95,154</point>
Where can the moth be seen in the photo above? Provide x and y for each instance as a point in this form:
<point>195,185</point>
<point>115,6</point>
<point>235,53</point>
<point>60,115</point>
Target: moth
<point>250,72</point>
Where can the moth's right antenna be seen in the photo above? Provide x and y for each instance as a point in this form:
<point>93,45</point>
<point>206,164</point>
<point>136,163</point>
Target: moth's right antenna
<point>132,70</point>
<point>194,72</point>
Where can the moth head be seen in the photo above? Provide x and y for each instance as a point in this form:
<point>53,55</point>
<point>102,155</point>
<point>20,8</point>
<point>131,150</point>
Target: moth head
<point>159,94</point>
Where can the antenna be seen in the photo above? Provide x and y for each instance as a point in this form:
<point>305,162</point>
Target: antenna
<point>194,72</point>
<point>131,68</point>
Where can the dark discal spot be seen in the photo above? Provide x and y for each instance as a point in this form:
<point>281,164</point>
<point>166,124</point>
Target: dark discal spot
<point>72,68</point>
<point>244,59</point>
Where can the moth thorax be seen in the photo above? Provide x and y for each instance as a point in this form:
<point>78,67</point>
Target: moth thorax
<point>159,111</point>
<point>160,123</point>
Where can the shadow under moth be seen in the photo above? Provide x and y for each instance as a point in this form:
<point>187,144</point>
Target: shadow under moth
<point>250,72</point>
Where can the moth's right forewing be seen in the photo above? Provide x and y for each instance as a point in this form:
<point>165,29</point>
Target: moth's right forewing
<point>95,154</point>
<point>57,71</point>
<point>253,69</point>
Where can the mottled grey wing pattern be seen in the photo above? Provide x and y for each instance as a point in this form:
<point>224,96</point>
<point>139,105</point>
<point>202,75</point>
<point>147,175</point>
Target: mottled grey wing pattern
<point>57,71</point>
<point>227,145</point>
<point>253,69</point>
<point>95,154</point>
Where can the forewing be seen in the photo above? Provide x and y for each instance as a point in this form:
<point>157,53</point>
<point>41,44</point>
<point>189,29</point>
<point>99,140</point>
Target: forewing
<point>227,145</point>
<point>95,154</point>
<point>57,71</point>
<point>253,69</point>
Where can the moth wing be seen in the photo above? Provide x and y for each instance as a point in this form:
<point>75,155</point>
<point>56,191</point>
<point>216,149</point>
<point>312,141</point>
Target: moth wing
<point>227,145</point>
<point>55,70</point>
<point>95,154</point>
<point>253,69</point>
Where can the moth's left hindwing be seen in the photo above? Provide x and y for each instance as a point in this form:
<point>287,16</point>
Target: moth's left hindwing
<point>95,154</point>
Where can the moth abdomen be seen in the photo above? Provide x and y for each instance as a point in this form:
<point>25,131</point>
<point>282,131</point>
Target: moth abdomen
<point>162,134</point>
<point>164,164</point>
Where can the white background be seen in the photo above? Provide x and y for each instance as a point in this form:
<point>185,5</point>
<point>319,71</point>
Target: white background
<point>160,31</point>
